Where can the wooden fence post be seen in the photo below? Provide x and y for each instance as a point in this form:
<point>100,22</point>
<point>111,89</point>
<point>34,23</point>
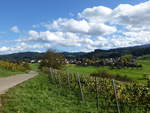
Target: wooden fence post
<point>68,78</point>
<point>59,80</point>
<point>51,75</point>
<point>118,108</point>
<point>80,86</point>
<point>54,75</point>
<point>56,78</point>
<point>97,93</point>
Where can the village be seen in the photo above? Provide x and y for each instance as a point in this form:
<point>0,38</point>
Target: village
<point>111,62</point>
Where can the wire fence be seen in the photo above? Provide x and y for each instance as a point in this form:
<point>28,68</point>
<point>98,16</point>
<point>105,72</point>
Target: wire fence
<point>109,96</point>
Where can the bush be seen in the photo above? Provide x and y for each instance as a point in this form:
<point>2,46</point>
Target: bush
<point>14,67</point>
<point>105,74</point>
<point>26,66</point>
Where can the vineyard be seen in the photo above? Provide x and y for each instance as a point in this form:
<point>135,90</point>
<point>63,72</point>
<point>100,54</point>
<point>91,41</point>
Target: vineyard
<point>14,67</point>
<point>110,96</point>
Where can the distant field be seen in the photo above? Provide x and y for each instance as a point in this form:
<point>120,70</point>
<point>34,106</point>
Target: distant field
<point>34,66</point>
<point>144,57</point>
<point>133,73</point>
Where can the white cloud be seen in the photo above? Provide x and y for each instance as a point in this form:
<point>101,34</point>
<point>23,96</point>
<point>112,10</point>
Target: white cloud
<point>15,29</point>
<point>3,49</point>
<point>22,46</point>
<point>96,14</point>
<point>101,29</point>
<point>33,33</point>
<point>93,28</point>
<point>57,38</point>
<point>118,41</point>
<point>69,25</point>
<point>136,16</point>
<point>81,27</point>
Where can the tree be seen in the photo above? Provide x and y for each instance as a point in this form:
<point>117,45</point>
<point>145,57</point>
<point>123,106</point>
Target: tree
<point>52,59</point>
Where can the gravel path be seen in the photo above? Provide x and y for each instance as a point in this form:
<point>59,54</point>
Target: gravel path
<point>9,82</point>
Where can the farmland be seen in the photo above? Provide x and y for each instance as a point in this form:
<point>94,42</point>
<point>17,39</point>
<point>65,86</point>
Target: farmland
<point>133,73</point>
<point>49,91</point>
<point>79,56</point>
<point>40,94</point>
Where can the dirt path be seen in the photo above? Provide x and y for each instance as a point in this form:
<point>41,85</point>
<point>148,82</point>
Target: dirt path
<point>9,82</point>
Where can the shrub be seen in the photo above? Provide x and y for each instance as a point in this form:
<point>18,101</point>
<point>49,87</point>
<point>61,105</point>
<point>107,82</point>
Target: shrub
<point>105,74</point>
<point>26,66</point>
<point>14,67</point>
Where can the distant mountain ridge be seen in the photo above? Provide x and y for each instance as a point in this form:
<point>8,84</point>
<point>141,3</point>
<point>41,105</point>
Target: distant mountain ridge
<point>143,46</point>
<point>22,56</point>
<point>98,53</point>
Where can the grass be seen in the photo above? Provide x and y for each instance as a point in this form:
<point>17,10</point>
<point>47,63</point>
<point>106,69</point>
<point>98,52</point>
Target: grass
<point>6,73</point>
<point>34,66</point>
<point>39,96</point>
<point>144,57</point>
<point>133,73</point>
<point>81,69</point>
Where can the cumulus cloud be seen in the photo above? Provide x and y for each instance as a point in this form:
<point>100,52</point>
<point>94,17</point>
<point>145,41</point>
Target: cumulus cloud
<point>96,27</point>
<point>23,47</point>
<point>132,17</point>
<point>81,27</point>
<point>56,38</point>
<point>116,41</point>
<point>125,25</point>
<point>96,14</point>
<point>136,16</point>
<point>3,49</point>
<point>15,29</point>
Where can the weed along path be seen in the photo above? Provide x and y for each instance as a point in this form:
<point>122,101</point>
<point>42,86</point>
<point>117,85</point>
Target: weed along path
<point>9,82</point>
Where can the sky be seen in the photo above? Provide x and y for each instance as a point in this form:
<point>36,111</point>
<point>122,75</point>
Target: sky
<point>72,25</point>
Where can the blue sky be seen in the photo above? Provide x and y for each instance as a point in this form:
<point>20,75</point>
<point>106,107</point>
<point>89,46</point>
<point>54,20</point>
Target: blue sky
<point>36,25</point>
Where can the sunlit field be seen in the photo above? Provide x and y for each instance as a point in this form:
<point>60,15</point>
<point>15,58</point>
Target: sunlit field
<point>133,73</point>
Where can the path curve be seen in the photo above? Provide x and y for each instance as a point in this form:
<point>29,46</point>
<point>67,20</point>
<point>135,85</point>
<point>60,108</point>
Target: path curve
<point>12,81</point>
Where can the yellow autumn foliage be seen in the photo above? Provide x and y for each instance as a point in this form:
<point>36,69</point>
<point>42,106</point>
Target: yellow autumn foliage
<point>13,67</point>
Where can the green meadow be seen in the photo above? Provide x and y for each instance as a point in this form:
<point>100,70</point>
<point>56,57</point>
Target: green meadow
<point>133,73</point>
<point>34,66</point>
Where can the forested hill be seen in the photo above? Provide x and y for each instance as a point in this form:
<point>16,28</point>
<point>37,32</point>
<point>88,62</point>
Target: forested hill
<point>135,51</point>
<point>22,56</point>
<point>112,53</point>
<point>98,53</point>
